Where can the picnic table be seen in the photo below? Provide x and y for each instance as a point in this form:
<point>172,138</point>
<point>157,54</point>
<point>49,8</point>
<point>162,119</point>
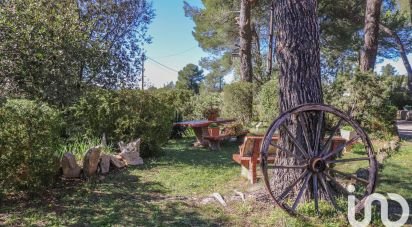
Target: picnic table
<point>200,129</point>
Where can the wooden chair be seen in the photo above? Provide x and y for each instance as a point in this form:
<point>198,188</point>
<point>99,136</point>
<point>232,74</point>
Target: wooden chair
<point>249,154</point>
<point>249,157</point>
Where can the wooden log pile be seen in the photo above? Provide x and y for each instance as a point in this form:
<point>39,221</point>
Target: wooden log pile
<point>95,162</point>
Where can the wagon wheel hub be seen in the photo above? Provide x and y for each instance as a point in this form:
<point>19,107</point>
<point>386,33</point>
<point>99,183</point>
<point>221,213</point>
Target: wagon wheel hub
<point>317,165</point>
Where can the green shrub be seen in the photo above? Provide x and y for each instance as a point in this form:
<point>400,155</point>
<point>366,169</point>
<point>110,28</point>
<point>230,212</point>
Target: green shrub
<point>372,103</point>
<point>122,115</point>
<point>203,102</point>
<point>238,101</point>
<point>268,98</point>
<point>397,91</point>
<point>179,101</point>
<point>141,114</point>
<point>29,139</point>
<point>93,115</point>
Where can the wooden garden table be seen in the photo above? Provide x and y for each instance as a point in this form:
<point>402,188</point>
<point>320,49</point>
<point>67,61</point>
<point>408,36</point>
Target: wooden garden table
<point>200,129</point>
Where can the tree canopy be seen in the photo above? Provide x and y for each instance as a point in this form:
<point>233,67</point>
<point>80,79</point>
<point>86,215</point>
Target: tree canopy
<point>50,50</point>
<point>190,78</point>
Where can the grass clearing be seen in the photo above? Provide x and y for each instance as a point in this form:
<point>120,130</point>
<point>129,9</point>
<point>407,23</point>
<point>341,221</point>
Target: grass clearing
<point>166,192</point>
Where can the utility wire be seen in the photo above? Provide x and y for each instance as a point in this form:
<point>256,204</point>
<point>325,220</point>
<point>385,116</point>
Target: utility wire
<point>165,66</point>
<point>179,53</point>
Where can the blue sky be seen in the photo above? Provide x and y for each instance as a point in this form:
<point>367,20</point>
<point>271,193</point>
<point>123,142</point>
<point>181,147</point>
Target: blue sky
<point>174,46</point>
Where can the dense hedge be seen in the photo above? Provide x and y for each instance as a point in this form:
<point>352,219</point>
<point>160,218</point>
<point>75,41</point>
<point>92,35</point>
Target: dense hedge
<point>238,101</point>
<point>29,139</point>
<point>122,115</point>
<point>204,101</point>
<point>371,98</point>
<point>268,101</point>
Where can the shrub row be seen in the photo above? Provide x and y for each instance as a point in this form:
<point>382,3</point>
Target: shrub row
<point>32,133</point>
<point>123,115</point>
<point>29,139</point>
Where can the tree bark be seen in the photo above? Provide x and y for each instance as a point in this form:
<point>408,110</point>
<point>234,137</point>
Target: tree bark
<point>410,10</point>
<point>298,57</point>
<point>402,53</point>
<point>245,33</point>
<point>371,30</point>
<point>270,39</point>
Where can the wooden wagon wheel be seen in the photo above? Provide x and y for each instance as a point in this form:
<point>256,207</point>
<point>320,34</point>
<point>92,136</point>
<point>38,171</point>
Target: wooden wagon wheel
<point>321,167</point>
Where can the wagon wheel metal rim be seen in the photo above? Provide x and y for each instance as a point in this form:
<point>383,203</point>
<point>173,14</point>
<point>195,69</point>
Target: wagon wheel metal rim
<point>315,161</point>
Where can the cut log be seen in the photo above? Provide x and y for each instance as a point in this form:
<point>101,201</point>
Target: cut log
<point>70,167</point>
<point>104,164</point>
<point>117,161</point>
<point>131,152</point>
<point>91,161</point>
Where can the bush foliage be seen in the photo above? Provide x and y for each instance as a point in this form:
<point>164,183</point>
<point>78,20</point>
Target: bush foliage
<point>371,100</point>
<point>268,99</point>
<point>202,102</point>
<point>123,115</point>
<point>29,140</point>
<point>238,99</point>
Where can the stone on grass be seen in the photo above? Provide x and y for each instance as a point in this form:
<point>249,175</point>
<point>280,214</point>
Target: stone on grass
<point>131,152</point>
<point>117,161</point>
<point>70,167</point>
<point>242,196</point>
<point>104,164</point>
<point>207,200</point>
<point>91,161</point>
<point>219,198</point>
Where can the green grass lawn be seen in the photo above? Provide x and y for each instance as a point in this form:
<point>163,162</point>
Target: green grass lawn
<point>396,176</point>
<point>166,192</point>
<point>159,193</point>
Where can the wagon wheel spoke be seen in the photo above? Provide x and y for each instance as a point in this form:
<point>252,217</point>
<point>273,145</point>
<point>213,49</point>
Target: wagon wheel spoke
<point>349,176</point>
<point>301,191</point>
<point>287,167</point>
<point>296,143</point>
<point>343,189</point>
<point>305,134</point>
<point>348,160</point>
<point>340,148</point>
<point>314,161</point>
<point>328,192</point>
<point>318,132</point>
<point>290,187</point>
<point>328,142</point>
<point>286,151</point>
<point>315,192</point>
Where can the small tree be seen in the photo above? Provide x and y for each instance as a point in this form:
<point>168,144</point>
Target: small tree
<point>190,78</point>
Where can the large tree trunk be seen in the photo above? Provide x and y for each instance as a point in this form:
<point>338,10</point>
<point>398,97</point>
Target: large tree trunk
<point>410,10</point>
<point>371,29</point>
<point>402,53</point>
<point>298,56</point>
<point>270,45</point>
<point>245,33</point>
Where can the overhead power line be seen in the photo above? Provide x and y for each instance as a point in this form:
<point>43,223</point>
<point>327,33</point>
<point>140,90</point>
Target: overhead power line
<point>165,66</point>
<point>179,53</point>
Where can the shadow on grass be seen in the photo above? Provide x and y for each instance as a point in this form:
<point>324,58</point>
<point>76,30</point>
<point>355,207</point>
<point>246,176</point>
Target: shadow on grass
<point>182,152</point>
<point>119,199</point>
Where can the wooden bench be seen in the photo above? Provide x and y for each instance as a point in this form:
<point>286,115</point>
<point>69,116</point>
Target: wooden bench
<point>214,141</point>
<point>249,154</point>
